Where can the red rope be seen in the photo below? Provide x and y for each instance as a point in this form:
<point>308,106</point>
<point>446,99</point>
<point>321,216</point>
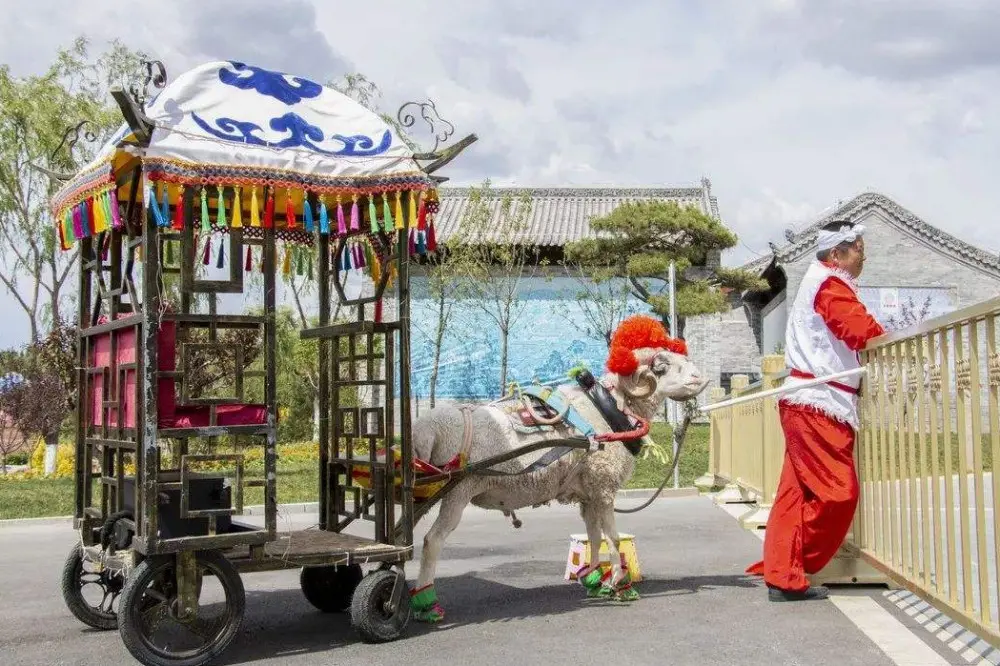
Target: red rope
<point>641,431</point>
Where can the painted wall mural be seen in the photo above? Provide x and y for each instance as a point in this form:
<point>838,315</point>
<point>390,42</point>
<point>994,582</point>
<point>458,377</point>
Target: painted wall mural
<point>549,337</point>
<point>897,308</point>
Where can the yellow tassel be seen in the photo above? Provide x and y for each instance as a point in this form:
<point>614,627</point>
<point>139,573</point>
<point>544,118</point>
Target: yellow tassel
<point>237,222</point>
<point>399,210</point>
<point>286,265</point>
<point>99,223</point>
<point>413,209</point>
<point>376,269</point>
<point>254,213</point>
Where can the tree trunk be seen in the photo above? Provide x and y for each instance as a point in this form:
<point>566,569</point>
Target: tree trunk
<point>439,337</point>
<point>316,419</point>
<point>503,361</point>
<point>51,450</point>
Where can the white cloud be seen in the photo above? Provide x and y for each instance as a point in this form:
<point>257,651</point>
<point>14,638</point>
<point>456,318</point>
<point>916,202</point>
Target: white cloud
<point>787,106</point>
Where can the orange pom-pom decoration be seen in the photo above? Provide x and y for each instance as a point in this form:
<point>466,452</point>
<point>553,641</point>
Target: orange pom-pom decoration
<point>639,332</point>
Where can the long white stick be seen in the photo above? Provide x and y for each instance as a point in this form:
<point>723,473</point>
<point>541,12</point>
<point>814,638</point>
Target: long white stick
<point>781,390</point>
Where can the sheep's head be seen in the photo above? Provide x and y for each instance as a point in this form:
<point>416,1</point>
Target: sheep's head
<point>650,366</point>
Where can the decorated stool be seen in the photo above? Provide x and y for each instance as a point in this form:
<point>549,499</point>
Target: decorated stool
<point>579,554</point>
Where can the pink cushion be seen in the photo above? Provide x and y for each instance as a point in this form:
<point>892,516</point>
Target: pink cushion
<point>225,415</point>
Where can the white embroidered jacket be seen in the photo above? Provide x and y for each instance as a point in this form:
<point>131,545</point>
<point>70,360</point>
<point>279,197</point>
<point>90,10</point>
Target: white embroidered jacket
<point>812,349</point>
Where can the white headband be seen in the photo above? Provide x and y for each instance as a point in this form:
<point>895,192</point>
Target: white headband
<point>827,240</point>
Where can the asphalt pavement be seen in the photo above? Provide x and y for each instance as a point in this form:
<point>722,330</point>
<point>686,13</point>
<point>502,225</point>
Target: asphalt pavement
<point>505,597</point>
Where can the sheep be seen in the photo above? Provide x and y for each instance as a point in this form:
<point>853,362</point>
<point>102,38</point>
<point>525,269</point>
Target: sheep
<point>646,368</point>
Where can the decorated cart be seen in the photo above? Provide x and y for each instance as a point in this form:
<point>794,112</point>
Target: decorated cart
<point>232,177</point>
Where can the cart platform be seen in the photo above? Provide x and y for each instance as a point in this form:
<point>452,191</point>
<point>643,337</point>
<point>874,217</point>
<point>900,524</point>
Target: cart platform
<point>314,547</point>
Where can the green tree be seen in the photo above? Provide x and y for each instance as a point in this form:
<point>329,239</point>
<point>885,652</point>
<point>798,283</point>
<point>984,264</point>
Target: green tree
<point>598,307</point>
<point>35,112</point>
<point>493,257</point>
<point>446,285</point>
<point>638,240</point>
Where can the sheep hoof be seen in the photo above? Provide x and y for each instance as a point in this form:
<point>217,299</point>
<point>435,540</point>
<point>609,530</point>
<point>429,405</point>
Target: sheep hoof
<point>425,605</point>
<point>626,594</point>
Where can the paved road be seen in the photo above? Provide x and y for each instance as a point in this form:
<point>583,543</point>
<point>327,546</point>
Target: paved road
<point>506,601</point>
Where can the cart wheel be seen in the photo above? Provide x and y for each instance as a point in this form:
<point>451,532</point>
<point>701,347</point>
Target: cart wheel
<point>90,595</point>
<point>150,622</point>
<point>369,608</point>
<point>330,588</point>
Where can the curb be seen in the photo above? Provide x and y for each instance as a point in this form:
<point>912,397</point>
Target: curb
<point>313,507</point>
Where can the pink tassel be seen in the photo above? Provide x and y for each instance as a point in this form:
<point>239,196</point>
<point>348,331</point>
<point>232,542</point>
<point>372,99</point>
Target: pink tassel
<point>341,225</point>
<point>77,222</point>
<point>355,216</point>
<point>115,215</point>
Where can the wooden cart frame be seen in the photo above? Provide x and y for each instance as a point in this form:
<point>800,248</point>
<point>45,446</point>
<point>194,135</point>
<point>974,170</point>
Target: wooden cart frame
<point>151,524</point>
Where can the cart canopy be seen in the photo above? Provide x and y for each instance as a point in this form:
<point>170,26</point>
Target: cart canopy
<point>267,139</point>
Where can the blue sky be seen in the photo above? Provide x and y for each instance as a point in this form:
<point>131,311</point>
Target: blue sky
<point>786,105</point>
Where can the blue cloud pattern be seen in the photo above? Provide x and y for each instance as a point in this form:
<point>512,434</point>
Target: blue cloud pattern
<point>297,132</point>
<point>270,83</point>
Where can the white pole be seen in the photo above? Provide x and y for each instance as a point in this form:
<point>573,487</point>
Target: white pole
<point>673,333</point>
<point>781,390</point>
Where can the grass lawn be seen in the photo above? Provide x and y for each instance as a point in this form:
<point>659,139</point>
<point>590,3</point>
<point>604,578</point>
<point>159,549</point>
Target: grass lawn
<point>298,481</point>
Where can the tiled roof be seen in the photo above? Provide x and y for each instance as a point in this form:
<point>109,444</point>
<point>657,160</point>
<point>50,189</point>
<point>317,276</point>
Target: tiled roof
<point>562,215</point>
<point>801,242</point>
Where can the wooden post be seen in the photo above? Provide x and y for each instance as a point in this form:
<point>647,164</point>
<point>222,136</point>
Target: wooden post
<point>772,368</point>
<point>733,493</point>
<point>710,479</point>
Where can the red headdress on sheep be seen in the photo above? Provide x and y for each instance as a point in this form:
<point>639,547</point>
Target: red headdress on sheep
<point>639,332</point>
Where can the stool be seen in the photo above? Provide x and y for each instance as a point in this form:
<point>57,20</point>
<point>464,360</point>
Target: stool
<point>579,554</point>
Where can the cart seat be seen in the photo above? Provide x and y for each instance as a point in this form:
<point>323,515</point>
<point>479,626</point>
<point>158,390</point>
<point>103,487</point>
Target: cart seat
<point>361,476</point>
<point>225,415</point>
<point>119,371</point>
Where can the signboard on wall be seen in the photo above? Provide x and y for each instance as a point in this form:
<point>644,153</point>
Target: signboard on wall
<point>897,308</point>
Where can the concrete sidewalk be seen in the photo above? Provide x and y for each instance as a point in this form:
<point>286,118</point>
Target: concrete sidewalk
<point>505,597</point>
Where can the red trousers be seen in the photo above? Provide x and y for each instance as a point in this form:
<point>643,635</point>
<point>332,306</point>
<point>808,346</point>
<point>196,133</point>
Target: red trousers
<point>816,498</point>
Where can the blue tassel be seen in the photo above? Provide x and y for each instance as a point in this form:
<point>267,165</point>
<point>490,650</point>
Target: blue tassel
<point>324,219</point>
<point>165,207</point>
<point>222,247</point>
<point>86,219</point>
<point>307,212</point>
<point>421,244</point>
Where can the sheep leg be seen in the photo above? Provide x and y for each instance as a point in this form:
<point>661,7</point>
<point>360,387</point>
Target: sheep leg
<point>423,599</point>
<point>589,574</point>
<point>620,584</point>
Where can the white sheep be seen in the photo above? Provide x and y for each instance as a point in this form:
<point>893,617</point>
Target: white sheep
<point>647,367</point>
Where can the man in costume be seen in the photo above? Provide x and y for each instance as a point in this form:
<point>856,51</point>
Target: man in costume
<point>818,489</point>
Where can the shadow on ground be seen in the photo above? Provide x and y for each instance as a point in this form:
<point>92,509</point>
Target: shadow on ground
<point>469,599</point>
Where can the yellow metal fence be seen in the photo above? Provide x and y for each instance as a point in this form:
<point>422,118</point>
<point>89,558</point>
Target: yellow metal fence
<point>926,456</point>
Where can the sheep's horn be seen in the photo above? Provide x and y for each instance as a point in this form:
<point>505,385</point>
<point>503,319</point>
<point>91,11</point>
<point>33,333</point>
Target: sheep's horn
<point>648,379</point>
<point>558,418</point>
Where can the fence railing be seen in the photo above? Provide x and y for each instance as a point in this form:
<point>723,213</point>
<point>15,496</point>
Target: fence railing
<point>926,455</point>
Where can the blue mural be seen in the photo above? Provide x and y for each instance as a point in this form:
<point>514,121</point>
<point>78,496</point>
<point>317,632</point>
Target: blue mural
<point>549,337</point>
<point>897,308</point>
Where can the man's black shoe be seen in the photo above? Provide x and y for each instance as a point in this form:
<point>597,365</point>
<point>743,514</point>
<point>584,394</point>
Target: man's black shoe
<point>810,594</point>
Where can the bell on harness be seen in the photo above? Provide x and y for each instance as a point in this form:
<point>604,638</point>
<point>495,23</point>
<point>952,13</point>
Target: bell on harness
<point>606,405</point>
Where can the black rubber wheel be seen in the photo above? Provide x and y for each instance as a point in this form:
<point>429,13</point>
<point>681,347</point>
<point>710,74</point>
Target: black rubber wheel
<point>369,615</point>
<point>330,588</point>
<point>149,606</point>
<point>106,587</point>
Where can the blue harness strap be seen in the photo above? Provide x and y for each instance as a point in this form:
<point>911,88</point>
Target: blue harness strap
<point>553,399</point>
